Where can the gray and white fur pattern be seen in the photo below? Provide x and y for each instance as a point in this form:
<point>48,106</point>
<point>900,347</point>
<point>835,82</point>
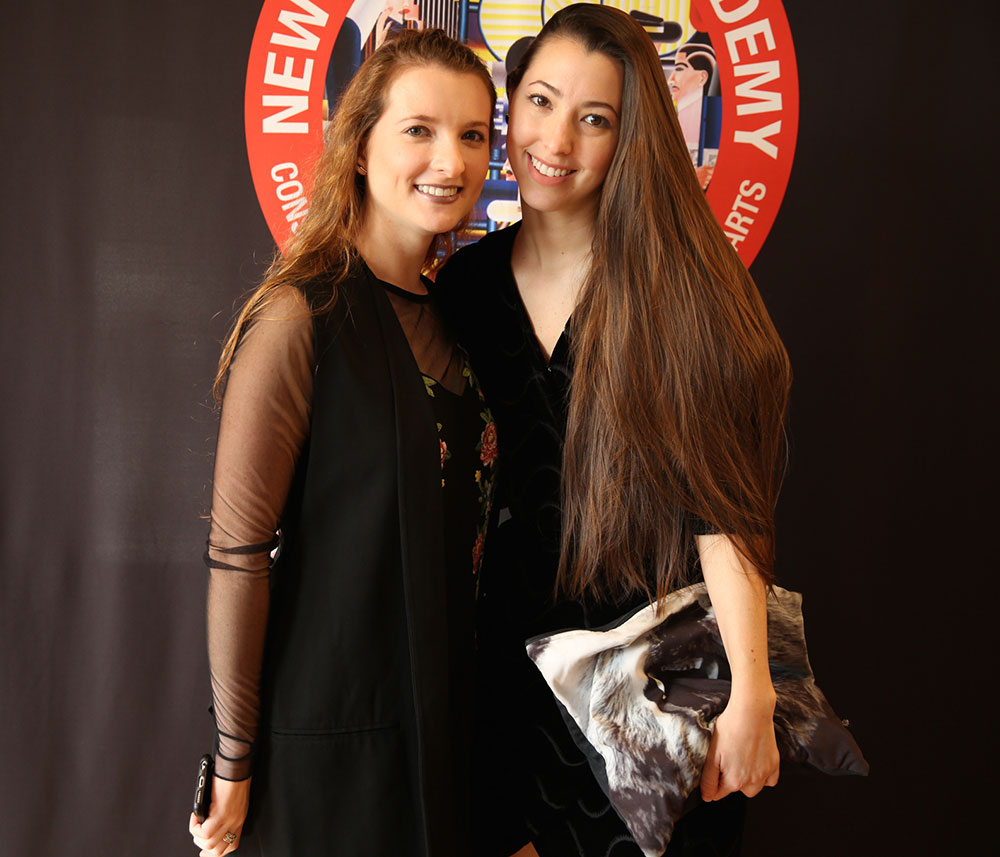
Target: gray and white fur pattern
<point>641,700</point>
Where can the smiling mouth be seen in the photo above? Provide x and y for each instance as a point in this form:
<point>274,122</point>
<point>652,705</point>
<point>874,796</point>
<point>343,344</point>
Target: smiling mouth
<point>435,190</point>
<point>546,170</point>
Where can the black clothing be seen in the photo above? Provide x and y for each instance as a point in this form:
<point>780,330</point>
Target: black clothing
<point>333,664</point>
<point>537,785</point>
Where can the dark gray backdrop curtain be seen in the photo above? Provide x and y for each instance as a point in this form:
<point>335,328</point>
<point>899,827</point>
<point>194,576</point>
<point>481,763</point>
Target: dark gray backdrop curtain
<point>130,227</point>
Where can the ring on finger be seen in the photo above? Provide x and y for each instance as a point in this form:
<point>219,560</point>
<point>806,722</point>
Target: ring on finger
<point>230,837</point>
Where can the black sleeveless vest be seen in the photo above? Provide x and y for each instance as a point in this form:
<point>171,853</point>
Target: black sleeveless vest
<point>354,755</point>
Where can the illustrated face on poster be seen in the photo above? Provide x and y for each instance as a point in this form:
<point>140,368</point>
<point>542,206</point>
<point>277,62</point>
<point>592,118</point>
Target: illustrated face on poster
<point>730,66</point>
<point>685,80</point>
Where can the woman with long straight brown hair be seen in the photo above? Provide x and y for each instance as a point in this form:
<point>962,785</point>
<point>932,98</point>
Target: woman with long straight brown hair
<point>639,389</point>
<point>353,440</point>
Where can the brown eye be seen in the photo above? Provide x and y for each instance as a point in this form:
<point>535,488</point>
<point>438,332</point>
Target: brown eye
<point>595,120</point>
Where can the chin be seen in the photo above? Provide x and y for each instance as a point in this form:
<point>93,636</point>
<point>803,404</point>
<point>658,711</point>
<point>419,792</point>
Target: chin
<point>440,226</point>
<point>541,202</point>
<point>552,200</point>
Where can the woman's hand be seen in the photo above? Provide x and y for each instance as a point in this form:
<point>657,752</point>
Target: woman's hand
<point>226,815</point>
<point>743,754</point>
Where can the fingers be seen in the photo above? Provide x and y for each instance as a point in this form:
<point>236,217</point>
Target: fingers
<point>767,775</point>
<point>231,839</point>
<point>229,842</point>
<point>224,843</point>
<point>710,778</point>
<point>720,784</point>
<point>214,837</point>
<point>717,783</point>
<point>197,831</point>
<point>727,785</point>
<point>210,826</point>
<point>756,785</point>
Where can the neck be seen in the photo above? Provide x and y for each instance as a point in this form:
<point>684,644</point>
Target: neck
<point>396,258</point>
<point>690,98</point>
<point>553,239</point>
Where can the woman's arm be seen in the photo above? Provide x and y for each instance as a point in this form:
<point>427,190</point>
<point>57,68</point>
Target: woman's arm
<point>264,423</point>
<point>743,753</point>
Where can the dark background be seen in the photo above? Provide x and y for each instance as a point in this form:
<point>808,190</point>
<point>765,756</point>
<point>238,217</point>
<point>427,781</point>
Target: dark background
<point>130,227</point>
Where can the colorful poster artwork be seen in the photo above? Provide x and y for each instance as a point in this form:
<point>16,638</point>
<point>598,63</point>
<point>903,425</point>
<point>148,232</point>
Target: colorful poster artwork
<point>729,65</point>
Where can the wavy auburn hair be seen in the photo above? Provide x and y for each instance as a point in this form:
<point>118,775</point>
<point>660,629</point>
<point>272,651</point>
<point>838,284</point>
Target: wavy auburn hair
<point>680,381</point>
<point>323,245</point>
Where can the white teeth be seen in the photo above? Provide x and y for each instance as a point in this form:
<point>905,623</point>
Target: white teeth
<point>546,170</point>
<point>434,190</point>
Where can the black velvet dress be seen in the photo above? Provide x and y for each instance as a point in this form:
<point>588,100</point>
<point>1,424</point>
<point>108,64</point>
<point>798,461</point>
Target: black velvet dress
<point>536,784</point>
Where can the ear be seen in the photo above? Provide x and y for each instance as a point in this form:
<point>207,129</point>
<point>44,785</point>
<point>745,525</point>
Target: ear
<point>361,166</point>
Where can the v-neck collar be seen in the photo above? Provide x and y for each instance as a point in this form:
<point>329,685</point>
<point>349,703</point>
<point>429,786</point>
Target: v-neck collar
<point>560,352</point>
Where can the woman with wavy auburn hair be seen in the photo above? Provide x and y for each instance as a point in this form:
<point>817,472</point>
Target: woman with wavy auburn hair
<point>639,389</point>
<point>356,450</point>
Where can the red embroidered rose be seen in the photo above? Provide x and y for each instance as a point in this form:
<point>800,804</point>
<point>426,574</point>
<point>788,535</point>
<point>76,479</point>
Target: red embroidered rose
<point>488,444</point>
<point>444,453</point>
<point>477,553</point>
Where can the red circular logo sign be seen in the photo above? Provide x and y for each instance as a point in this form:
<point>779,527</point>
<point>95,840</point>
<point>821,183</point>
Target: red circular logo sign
<point>730,66</point>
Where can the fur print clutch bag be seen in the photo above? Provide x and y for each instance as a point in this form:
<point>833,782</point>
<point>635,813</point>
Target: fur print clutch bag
<point>641,699</point>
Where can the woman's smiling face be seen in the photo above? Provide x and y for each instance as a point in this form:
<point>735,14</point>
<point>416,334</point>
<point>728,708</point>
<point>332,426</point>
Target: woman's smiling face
<point>563,129</point>
<point>426,157</point>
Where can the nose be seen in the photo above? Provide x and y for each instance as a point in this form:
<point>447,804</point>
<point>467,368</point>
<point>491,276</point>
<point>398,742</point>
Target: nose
<point>448,158</point>
<point>558,136</point>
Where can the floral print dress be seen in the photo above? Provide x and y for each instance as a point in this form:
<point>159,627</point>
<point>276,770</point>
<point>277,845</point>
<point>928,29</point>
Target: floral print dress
<point>468,439</point>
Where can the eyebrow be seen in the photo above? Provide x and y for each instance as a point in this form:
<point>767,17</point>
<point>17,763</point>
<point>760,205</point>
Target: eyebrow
<point>431,119</point>
<point>558,94</point>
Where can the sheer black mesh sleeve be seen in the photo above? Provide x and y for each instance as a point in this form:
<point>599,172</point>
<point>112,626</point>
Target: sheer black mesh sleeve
<point>264,423</point>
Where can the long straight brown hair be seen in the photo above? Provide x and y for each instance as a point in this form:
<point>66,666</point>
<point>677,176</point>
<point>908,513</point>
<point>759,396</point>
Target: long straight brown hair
<point>323,246</point>
<point>680,381</point>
